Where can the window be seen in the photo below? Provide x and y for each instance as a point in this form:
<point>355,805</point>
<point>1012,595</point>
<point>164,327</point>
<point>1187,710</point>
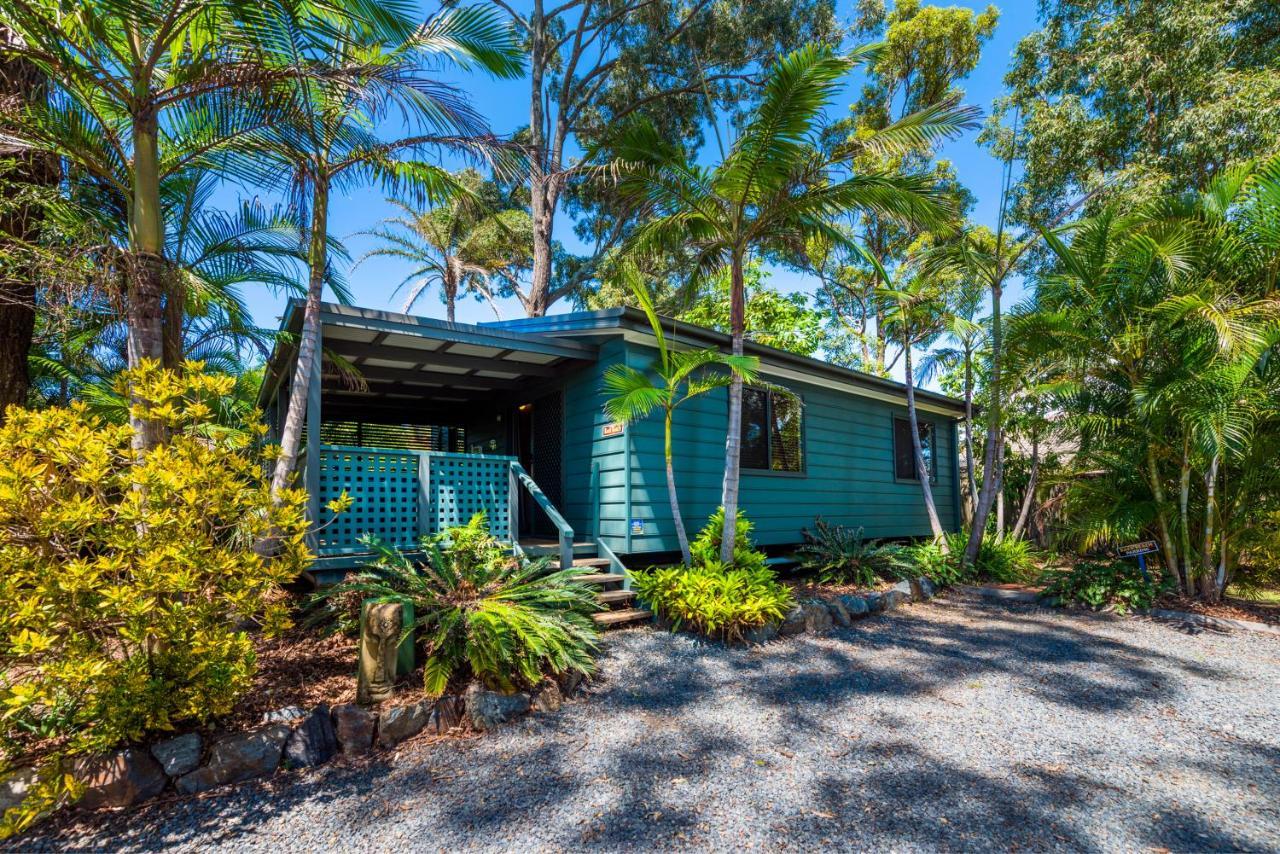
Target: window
<point>904,456</point>
<point>772,424</point>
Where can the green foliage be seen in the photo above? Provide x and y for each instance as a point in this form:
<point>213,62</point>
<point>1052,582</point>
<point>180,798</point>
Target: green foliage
<point>705,549</point>
<point>127,579</point>
<point>775,319</point>
<point>1099,585</point>
<point>505,620</point>
<point>1003,560</point>
<point>927,558</point>
<point>841,555</point>
<point>714,600</point>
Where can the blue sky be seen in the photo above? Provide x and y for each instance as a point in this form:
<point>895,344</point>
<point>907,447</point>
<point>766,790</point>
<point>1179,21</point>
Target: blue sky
<point>505,104</point>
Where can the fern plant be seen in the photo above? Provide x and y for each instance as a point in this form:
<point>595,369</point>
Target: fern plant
<point>841,555</point>
<point>505,620</point>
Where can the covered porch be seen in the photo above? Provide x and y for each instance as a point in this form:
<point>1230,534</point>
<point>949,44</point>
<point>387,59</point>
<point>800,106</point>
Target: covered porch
<point>423,423</point>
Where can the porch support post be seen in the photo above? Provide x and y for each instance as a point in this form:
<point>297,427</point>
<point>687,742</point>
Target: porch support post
<point>426,525</point>
<point>595,499</point>
<point>311,476</point>
<point>513,504</point>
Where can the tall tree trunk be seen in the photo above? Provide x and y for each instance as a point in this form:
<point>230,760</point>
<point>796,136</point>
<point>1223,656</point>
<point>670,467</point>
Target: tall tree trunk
<point>309,344</point>
<point>542,178</point>
<point>972,475</point>
<point>676,518</point>
<point>1029,499</point>
<point>21,83</point>
<point>1182,568</point>
<point>922,471</point>
<point>733,435</point>
<point>144,299</point>
<point>174,312</point>
<point>1208,575</point>
<point>995,438</point>
<point>1162,516</point>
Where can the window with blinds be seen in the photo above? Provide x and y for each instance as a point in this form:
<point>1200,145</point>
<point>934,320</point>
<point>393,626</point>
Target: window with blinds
<point>904,455</point>
<point>772,431</point>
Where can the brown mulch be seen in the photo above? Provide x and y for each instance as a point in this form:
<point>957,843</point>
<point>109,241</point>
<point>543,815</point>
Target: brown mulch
<point>1231,609</point>
<point>300,668</point>
<point>807,588</point>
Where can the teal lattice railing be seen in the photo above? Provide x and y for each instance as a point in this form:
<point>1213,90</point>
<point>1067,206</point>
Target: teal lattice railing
<point>397,496</point>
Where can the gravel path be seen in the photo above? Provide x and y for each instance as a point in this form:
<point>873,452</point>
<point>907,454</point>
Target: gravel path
<point>952,725</point>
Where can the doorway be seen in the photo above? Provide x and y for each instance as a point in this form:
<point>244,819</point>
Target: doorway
<point>538,442</point>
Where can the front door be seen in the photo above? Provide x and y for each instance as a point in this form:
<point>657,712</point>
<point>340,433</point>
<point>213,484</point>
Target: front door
<point>538,441</point>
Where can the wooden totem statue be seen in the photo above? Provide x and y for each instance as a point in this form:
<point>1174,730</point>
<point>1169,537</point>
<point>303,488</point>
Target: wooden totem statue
<point>382,626</point>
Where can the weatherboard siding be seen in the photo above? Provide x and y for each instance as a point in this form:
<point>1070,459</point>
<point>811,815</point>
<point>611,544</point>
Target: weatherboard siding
<point>848,477</point>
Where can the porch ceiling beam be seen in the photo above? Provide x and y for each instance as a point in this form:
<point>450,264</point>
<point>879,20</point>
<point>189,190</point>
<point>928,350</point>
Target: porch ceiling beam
<point>370,372</point>
<point>355,350</point>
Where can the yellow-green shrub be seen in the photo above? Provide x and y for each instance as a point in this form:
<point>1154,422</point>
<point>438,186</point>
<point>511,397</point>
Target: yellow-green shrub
<point>126,584</point>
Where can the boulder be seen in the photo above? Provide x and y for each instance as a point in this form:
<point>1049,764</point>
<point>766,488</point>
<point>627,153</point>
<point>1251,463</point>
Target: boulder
<point>548,697</point>
<point>906,588</point>
<point>488,709</point>
<point>817,619</point>
<point>793,623</point>
<point>895,599</point>
<point>570,681</point>
<point>119,779</point>
<point>927,589</point>
<point>313,742</point>
<point>855,606</point>
<point>403,722</point>
<point>240,757</point>
<point>763,634</point>
<point>839,613</point>
<point>354,727</point>
<point>288,714</point>
<point>875,603</point>
<point>14,788</point>
<point>447,713</point>
<point>179,755</point>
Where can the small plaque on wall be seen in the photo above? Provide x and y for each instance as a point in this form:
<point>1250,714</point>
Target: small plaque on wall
<point>637,527</point>
<point>613,428</point>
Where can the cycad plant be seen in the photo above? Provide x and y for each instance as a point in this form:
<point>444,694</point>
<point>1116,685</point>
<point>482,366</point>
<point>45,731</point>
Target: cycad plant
<point>678,376</point>
<point>842,555</point>
<point>502,619</point>
<point>773,191</point>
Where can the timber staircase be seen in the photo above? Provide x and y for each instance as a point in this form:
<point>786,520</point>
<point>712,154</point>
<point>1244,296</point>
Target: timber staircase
<point>620,607</point>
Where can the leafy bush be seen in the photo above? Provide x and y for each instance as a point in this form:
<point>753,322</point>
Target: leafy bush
<point>711,598</point>
<point>479,611</point>
<point>841,555</point>
<point>1098,585</point>
<point>714,600</point>
<point>705,549</point>
<point>1000,559</point>
<point>126,581</point>
<point>927,559</point>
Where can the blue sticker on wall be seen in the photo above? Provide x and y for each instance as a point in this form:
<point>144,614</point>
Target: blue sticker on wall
<point>637,526</point>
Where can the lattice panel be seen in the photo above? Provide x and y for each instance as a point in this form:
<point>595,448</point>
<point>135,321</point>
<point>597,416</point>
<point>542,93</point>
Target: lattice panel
<point>461,485</point>
<point>383,486</point>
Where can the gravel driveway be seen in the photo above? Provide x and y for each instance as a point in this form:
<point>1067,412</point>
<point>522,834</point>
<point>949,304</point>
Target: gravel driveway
<point>950,725</point>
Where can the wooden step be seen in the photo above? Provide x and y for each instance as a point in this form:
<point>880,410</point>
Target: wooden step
<point>619,618</point>
<point>597,562</point>
<point>600,578</point>
<point>613,597</point>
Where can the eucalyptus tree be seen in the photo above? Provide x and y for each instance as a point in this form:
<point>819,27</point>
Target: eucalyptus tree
<point>346,82</point>
<point>460,243</point>
<point>772,192</point>
<point>681,375</point>
<point>143,90</point>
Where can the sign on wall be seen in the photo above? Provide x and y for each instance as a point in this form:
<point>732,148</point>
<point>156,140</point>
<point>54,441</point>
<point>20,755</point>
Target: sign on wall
<point>613,428</point>
<point>637,527</point>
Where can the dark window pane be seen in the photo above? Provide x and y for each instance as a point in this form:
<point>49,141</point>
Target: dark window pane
<point>785,448</point>
<point>926,448</point>
<point>904,464</point>
<point>755,429</point>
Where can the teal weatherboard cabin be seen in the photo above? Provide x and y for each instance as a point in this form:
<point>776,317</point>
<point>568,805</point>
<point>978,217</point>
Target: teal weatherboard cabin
<point>423,422</point>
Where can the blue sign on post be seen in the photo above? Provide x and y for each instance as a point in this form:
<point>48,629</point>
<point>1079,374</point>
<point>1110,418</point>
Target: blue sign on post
<point>1140,551</point>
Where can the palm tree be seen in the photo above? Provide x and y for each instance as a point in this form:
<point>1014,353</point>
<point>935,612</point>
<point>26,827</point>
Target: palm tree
<point>460,244</point>
<point>333,144</point>
<point>681,376</point>
<point>773,191</point>
<point>147,89</point>
<point>969,336</point>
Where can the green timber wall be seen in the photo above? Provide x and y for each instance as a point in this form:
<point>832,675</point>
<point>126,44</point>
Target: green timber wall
<point>848,477</point>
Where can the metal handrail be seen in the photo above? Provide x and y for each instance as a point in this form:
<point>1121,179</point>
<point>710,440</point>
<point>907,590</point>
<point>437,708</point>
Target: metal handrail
<point>563,527</point>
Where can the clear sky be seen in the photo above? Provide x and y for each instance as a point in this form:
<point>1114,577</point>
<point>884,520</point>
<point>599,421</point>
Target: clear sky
<point>505,104</point>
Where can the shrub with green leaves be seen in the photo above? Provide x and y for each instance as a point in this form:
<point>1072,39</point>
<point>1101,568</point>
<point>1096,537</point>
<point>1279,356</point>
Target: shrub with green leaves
<point>127,579</point>
<point>927,559</point>
<point>1099,585</point>
<point>711,598</point>
<point>1000,559</point>
<point>479,611</point>
<point>841,555</point>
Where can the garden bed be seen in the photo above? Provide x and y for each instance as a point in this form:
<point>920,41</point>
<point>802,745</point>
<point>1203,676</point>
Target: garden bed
<point>1231,609</point>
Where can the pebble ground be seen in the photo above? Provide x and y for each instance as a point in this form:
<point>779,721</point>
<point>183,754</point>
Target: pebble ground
<point>954,725</point>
